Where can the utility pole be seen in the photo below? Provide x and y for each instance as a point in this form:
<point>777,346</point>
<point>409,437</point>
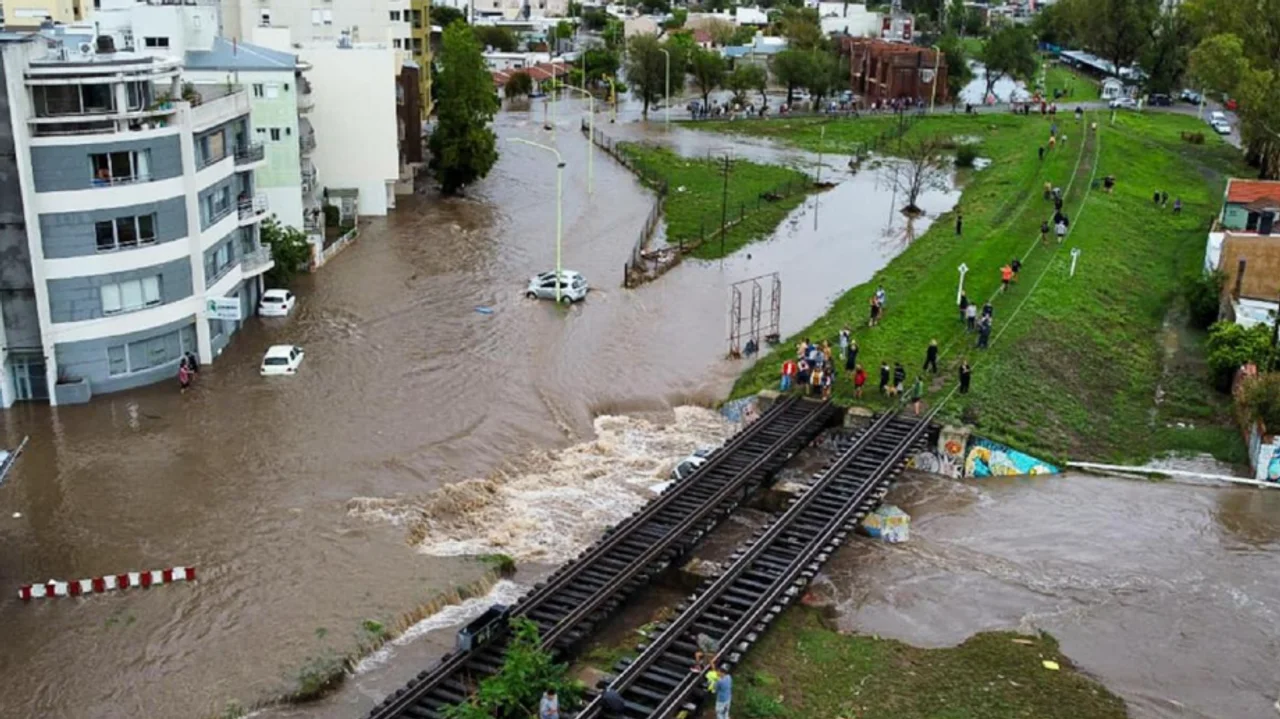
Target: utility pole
<point>822,139</point>
<point>724,205</point>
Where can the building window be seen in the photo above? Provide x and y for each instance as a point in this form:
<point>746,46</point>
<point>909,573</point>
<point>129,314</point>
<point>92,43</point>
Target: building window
<point>125,232</point>
<point>328,16</point>
<point>264,19</point>
<point>217,205</point>
<point>138,94</point>
<point>130,295</point>
<point>149,353</point>
<point>273,91</point>
<point>275,134</point>
<point>155,42</point>
<point>395,16</point>
<point>212,148</point>
<point>395,43</point>
<point>112,168</point>
<point>417,46</point>
<point>315,17</point>
<point>258,90</point>
<point>218,264</point>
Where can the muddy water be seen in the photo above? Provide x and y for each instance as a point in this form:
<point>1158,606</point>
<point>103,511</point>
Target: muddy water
<point>1167,592</point>
<point>295,498</point>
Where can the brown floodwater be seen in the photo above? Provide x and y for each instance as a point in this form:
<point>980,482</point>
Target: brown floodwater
<point>1166,592</point>
<point>310,503</point>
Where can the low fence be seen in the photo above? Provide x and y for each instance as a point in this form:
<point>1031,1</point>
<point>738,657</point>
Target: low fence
<point>322,253</point>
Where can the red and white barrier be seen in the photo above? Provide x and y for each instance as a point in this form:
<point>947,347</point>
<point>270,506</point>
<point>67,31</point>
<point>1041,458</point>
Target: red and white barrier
<point>111,582</point>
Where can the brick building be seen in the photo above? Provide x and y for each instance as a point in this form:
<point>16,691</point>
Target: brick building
<point>880,70</point>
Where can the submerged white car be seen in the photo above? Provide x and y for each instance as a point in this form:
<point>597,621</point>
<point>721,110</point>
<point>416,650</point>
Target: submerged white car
<point>281,359</point>
<point>573,286</point>
<point>276,303</point>
<point>690,464</point>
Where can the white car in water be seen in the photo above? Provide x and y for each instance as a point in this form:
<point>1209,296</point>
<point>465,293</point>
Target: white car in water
<point>276,303</point>
<point>281,359</point>
<point>690,464</point>
<point>573,286</point>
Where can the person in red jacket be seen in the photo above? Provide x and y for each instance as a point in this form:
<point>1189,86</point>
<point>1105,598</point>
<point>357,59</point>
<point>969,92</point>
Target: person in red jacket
<point>859,379</point>
<point>788,374</point>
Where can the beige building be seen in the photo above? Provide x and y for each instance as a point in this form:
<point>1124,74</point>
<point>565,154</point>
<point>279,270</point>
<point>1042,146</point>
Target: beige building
<point>19,14</point>
<point>362,21</point>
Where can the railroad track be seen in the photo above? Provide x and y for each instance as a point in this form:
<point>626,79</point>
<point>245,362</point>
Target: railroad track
<point>590,587</point>
<point>765,575</point>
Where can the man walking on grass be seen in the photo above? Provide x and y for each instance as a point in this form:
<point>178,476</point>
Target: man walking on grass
<point>1006,274</point>
<point>931,357</point>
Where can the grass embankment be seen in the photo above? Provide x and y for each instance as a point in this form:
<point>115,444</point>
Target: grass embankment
<point>696,189</point>
<point>1076,373</point>
<point>1082,88</point>
<point>801,669</point>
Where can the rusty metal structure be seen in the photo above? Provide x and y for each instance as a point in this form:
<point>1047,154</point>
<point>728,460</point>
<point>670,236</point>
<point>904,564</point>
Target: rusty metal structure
<point>755,331</point>
<point>882,71</point>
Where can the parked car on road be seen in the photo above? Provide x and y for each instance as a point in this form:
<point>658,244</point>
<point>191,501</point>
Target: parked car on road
<point>1123,103</point>
<point>1191,96</point>
<point>573,286</point>
<point>276,303</point>
<point>1222,127</point>
<point>281,359</point>
<point>1160,100</point>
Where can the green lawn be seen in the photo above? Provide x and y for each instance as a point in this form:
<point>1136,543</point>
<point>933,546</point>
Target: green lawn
<point>1083,88</point>
<point>696,190</point>
<point>1075,373</point>
<point>801,670</point>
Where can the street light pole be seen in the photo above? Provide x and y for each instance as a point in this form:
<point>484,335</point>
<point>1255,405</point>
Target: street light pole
<point>933,91</point>
<point>667,94</point>
<point>591,137</point>
<point>559,201</point>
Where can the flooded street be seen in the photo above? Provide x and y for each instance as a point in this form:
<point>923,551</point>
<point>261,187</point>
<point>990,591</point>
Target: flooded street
<point>308,504</point>
<point>1166,592</point>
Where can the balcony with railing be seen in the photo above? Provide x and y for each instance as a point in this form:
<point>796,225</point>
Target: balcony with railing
<point>250,154</point>
<point>307,142</point>
<point>309,181</point>
<point>306,100</point>
<point>257,261</point>
<point>252,208</point>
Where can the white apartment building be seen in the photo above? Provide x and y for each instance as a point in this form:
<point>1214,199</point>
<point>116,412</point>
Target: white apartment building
<point>321,20</point>
<point>129,214</point>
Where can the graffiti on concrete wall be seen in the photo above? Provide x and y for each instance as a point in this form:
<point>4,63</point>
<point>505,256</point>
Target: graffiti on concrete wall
<point>935,463</point>
<point>992,459</point>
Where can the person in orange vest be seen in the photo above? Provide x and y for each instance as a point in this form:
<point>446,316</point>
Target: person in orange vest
<point>788,373</point>
<point>1006,274</point>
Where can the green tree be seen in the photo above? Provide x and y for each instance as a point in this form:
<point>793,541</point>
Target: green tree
<point>801,28</point>
<point>823,76</point>
<point>791,69</point>
<point>518,85</point>
<point>677,20</point>
<point>721,31</point>
<point>1218,63</point>
<point>1254,68</point>
<point>743,35</point>
<point>595,19</point>
<point>1118,30</point>
<point>515,691</point>
<point>745,78</point>
<point>1230,346</point>
<point>647,70</point>
<point>444,16</point>
<point>463,146</point>
<point>959,74</point>
<point>707,68</point>
<point>1009,52</point>
<point>498,38</point>
<point>600,62</point>
<point>1057,24</point>
<point>289,250</point>
<point>614,34</point>
<point>656,7</point>
<point>1165,57</point>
